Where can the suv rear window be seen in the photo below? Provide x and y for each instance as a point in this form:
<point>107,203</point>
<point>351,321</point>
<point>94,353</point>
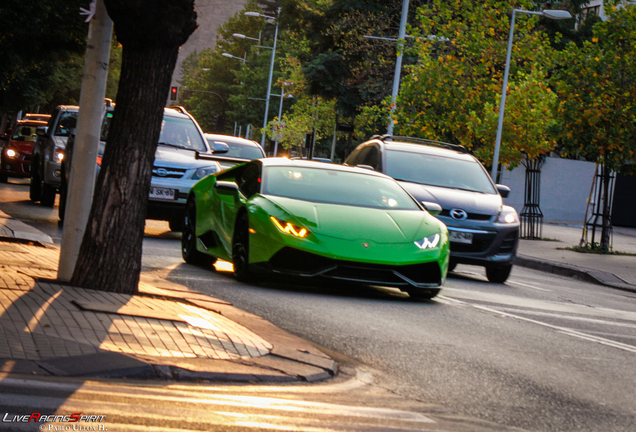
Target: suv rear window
<point>436,170</point>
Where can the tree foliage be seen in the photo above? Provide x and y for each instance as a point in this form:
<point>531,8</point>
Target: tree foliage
<point>221,91</point>
<point>452,93</point>
<point>37,40</point>
<point>596,84</point>
<point>341,63</point>
<point>528,126</point>
<point>42,47</point>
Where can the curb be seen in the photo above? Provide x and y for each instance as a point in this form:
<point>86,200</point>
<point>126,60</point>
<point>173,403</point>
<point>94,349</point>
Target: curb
<point>588,275</point>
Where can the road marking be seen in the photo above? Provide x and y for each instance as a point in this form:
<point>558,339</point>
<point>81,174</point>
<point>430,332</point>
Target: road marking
<point>575,318</point>
<point>564,330</point>
<point>528,286</point>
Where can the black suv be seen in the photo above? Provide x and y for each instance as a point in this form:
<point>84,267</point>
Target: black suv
<point>483,231</point>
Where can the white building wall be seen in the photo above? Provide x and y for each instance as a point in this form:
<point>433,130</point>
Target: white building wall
<point>565,188</point>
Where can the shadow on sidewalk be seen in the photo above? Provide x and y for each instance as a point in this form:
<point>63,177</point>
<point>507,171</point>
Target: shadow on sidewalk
<point>41,335</point>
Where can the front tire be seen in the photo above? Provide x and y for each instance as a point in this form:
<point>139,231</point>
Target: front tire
<point>62,208</point>
<point>35,188</point>
<point>498,274</point>
<point>189,250</point>
<point>241,250</point>
<point>176,224</point>
<point>451,265</point>
<point>47,198</point>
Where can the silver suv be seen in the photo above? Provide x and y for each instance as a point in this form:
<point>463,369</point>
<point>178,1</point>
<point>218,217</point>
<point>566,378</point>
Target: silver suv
<point>482,230</point>
<point>48,151</point>
<point>177,166</point>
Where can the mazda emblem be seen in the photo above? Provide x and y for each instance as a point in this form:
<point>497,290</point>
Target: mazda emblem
<point>458,214</point>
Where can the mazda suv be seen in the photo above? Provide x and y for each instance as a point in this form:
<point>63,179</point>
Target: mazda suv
<point>482,230</point>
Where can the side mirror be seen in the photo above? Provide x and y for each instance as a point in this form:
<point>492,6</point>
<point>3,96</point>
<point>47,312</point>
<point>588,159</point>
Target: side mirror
<point>226,186</point>
<point>503,190</point>
<point>431,207</point>
<point>40,132</point>
<point>369,167</point>
<point>220,147</point>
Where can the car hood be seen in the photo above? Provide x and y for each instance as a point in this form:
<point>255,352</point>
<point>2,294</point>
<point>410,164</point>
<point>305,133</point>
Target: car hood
<point>178,158</point>
<point>24,147</point>
<point>360,223</point>
<point>471,202</point>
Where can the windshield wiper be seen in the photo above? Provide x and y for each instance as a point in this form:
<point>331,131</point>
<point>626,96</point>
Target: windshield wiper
<point>468,190</point>
<point>176,146</point>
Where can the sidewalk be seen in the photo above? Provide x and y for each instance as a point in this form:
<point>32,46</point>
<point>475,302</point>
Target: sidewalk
<point>616,271</point>
<point>166,332</point>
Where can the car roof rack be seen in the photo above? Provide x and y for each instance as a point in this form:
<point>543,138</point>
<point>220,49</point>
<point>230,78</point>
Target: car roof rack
<point>414,140</point>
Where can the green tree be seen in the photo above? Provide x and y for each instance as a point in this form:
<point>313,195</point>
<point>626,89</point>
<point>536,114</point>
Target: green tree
<point>596,85</point>
<point>217,89</point>
<point>37,40</point>
<point>344,65</point>
<point>462,48</point>
<point>528,124</point>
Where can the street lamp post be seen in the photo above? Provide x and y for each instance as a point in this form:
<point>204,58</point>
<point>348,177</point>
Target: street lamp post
<point>243,59</point>
<point>398,64</point>
<point>552,14</point>
<point>271,68</point>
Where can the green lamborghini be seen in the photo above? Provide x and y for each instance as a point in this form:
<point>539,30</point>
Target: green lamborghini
<point>315,220</point>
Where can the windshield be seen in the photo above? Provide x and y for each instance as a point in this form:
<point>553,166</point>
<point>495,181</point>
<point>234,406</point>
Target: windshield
<point>438,171</point>
<point>67,124</point>
<point>181,132</point>
<point>24,133</point>
<point>239,150</point>
<point>336,187</point>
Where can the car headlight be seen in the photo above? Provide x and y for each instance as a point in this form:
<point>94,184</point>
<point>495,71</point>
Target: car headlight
<point>289,228</point>
<point>430,242</point>
<point>508,215</point>
<point>204,171</point>
<point>59,154</point>
<point>12,154</point>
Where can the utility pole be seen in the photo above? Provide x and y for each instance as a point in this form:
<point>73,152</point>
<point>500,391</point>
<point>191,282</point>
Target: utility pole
<point>82,175</point>
<point>398,63</point>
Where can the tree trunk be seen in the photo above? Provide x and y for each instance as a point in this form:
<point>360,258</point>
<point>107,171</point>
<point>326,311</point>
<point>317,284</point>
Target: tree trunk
<point>151,32</point>
<point>605,231</point>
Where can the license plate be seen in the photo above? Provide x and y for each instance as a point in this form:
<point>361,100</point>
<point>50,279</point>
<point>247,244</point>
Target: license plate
<point>162,193</point>
<point>460,237</point>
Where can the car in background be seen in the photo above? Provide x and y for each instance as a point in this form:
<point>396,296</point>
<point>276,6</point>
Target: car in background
<point>15,158</point>
<point>37,116</point>
<point>177,165</point>
<point>48,152</point>
<point>240,149</point>
<point>482,230</point>
<point>317,159</point>
<point>314,220</point>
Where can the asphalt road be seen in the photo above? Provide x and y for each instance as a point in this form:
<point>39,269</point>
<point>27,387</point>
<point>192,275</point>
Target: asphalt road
<point>540,353</point>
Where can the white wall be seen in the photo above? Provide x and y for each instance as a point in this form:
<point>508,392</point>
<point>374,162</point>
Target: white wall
<point>565,188</point>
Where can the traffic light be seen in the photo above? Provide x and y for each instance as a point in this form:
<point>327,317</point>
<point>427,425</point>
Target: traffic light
<point>174,92</point>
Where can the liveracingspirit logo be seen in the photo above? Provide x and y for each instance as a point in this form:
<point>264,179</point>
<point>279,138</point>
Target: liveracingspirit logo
<point>48,421</point>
